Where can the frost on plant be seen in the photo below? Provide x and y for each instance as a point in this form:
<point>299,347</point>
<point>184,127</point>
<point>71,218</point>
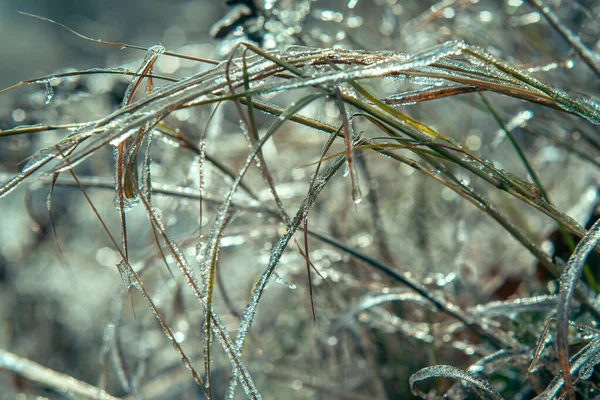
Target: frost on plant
<point>340,199</point>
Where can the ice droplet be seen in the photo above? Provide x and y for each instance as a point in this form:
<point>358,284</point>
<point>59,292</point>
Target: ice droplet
<point>125,274</point>
<point>49,92</point>
<point>277,278</point>
<point>346,171</point>
<point>357,195</point>
<point>187,363</point>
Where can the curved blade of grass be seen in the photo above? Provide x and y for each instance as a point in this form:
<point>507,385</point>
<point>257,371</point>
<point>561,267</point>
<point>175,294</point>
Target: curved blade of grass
<point>91,71</point>
<point>41,158</point>
<point>568,283</point>
<point>448,371</point>
<point>47,377</point>
<point>512,307</point>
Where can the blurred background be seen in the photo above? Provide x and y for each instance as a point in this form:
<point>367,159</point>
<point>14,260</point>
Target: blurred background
<point>35,47</point>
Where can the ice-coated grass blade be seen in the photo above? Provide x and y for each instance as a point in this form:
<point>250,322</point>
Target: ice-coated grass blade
<point>447,371</point>
<point>62,383</point>
<point>568,283</point>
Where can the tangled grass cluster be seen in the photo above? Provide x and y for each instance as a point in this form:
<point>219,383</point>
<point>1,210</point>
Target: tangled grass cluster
<point>361,199</point>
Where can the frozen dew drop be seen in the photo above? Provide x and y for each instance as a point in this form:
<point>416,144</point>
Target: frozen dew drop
<point>49,92</point>
<point>125,274</point>
<point>277,278</point>
<point>179,337</point>
<point>127,205</point>
<point>157,49</point>
<point>346,170</point>
<point>357,195</point>
<point>187,363</point>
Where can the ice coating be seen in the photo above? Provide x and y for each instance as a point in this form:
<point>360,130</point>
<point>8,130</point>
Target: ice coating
<point>448,371</point>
